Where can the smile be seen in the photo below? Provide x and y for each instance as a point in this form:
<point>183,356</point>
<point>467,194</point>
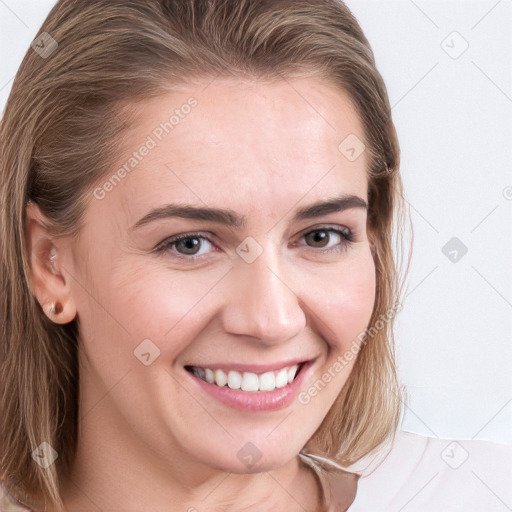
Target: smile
<point>247,381</point>
<point>251,391</point>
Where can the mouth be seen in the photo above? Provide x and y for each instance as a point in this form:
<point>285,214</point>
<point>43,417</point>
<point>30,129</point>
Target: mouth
<point>251,388</point>
<point>249,382</point>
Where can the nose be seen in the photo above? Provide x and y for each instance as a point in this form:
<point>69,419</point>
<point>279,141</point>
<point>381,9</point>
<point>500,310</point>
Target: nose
<point>261,302</point>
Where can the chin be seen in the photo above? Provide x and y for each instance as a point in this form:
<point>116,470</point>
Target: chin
<point>246,456</point>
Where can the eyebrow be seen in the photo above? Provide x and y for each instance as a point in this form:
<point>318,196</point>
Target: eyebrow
<point>232,219</point>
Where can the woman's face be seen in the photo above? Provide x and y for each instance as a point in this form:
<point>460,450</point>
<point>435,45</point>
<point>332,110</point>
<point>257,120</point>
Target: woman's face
<point>260,281</point>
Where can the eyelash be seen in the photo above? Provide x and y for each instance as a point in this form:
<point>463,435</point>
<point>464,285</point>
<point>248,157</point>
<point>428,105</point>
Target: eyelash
<point>164,246</point>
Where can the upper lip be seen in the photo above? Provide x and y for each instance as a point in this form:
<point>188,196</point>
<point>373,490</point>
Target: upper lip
<point>254,368</point>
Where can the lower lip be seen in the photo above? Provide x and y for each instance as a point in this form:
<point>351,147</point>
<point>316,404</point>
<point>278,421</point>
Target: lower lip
<point>254,401</point>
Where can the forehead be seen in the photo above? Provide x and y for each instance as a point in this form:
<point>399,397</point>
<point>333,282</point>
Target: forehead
<point>251,144</point>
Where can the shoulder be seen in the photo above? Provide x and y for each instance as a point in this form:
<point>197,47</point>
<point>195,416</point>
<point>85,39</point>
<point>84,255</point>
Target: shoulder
<point>425,473</point>
<point>7,502</point>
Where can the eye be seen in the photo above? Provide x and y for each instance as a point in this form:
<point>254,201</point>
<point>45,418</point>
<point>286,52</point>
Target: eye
<point>328,239</point>
<point>189,245</point>
<point>192,246</point>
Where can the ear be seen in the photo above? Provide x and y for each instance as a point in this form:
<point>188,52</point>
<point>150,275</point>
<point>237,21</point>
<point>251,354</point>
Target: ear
<point>48,283</point>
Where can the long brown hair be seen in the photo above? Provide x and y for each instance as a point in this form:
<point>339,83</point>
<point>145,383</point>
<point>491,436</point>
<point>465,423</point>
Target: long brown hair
<point>65,112</point>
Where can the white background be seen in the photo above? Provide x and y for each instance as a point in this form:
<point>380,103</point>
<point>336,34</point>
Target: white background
<point>454,119</point>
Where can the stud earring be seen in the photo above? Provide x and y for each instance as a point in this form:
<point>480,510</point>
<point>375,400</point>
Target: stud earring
<point>52,308</point>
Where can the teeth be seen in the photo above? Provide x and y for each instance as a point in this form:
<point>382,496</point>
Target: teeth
<point>267,381</point>
<point>221,378</point>
<point>282,378</point>
<point>292,371</point>
<point>248,381</point>
<point>210,376</point>
<point>199,372</point>
<point>234,380</point>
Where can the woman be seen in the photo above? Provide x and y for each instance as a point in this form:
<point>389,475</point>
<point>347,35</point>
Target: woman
<point>198,281</point>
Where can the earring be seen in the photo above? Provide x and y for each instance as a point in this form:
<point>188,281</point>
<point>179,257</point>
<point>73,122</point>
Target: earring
<point>52,308</point>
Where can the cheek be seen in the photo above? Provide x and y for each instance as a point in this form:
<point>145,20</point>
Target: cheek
<point>345,302</point>
<point>343,310</point>
<point>155,302</point>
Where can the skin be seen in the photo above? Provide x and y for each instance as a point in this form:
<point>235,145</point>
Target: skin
<point>148,437</point>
